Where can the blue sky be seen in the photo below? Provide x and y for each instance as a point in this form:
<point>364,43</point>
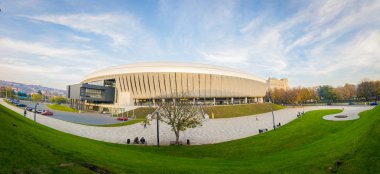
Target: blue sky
<point>55,43</point>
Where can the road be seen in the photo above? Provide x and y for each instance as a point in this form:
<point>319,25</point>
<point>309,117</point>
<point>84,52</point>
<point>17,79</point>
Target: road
<point>81,118</point>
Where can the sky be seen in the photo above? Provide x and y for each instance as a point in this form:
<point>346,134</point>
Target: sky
<point>57,43</point>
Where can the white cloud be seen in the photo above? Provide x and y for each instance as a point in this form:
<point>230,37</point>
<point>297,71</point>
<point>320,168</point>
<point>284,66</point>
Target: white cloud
<point>120,28</point>
<point>309,41</point>
<point>42,49</point>
<point>55,66</point>
<point>361,52</point>
<point>238,55</point>
<point>80,38</point>
<point>254,23</point>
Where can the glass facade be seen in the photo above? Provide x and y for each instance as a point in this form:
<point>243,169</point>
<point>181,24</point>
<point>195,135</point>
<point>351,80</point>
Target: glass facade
<point>98,83</point>
<point>93,93</point>
<point>109,83</point>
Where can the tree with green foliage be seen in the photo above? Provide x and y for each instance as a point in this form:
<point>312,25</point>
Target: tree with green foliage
<point>37,97</point>
<point>326,93</point>
<point>58,99</point>
<point>7,91</point>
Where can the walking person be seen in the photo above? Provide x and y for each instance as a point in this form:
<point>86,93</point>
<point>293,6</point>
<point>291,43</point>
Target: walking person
<point>145,125</point>
<point>257,119</point>
<point>25,113</point>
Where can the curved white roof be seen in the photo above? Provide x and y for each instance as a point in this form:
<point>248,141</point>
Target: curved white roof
<point>169,67</point>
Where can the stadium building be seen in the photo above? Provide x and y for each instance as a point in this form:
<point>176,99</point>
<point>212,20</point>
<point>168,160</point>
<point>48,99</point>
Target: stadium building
<point>146,84</point>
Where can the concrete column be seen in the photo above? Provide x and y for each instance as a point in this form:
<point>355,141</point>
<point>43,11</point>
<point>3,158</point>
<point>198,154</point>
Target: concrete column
<point>246,100</point>
<point>193,101</point>
<point>214,101</point>
<point>154,102</point>
<point>232,100</point>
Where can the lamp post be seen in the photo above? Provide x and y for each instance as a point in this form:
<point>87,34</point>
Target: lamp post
<point>303,108</point>
<point>274,125</point>
<point>158,129</point>
<point>35,111</point>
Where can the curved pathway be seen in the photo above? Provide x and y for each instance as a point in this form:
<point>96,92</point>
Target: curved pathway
<point>212,131</point>
<point>349,113</point>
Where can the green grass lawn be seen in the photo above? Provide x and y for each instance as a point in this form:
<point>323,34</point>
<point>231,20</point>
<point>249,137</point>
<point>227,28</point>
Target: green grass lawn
<point>240,110</point>
<point>59,107</point>
<point>122,123</point>
<point>308,144</point>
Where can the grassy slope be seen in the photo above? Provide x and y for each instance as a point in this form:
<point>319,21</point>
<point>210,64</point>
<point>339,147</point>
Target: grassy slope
<point>61,108</point>
<point>307,145</point>
<point>240,110</point>
<point>122,123</point>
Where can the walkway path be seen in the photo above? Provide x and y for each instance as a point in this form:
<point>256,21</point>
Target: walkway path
<point>212,131</point>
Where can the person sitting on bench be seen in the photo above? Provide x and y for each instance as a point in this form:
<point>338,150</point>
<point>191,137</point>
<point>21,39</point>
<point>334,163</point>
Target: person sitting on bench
<point>142,140</point>
<point>136,140</point>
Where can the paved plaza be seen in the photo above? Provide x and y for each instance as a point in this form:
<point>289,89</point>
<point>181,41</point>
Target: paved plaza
<point>212,130</point>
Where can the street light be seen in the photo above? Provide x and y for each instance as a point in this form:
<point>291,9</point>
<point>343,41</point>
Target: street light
<point>158,130</point>
<point>303,108</point>
<point>35,111</point>
<point>274,125</point>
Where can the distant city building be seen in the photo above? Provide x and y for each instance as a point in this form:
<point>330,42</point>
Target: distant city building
<point>274,83</point>
<point>142,84</point>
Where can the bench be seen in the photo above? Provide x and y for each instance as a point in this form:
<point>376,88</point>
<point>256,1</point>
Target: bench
<point>262,130</point>
<point>139,142</point>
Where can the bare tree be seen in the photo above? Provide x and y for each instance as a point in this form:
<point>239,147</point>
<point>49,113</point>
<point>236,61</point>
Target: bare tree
<point>180,115</point>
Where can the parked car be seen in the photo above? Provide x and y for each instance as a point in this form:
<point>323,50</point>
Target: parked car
<point>373,104</point>
<point>21,105</point>
<point>47,113</point>
<point>38,111</point>
<point>29,108</point>
<point>13,100</point>
<point>105,112</point>
<point>122,118</point>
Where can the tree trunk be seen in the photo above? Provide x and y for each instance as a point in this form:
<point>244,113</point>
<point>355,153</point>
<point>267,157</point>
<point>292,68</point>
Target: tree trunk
<point>176,137</point>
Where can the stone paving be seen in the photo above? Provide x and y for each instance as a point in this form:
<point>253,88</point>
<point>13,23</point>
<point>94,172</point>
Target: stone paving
<point>212,130</point>
<point>349,113</point>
